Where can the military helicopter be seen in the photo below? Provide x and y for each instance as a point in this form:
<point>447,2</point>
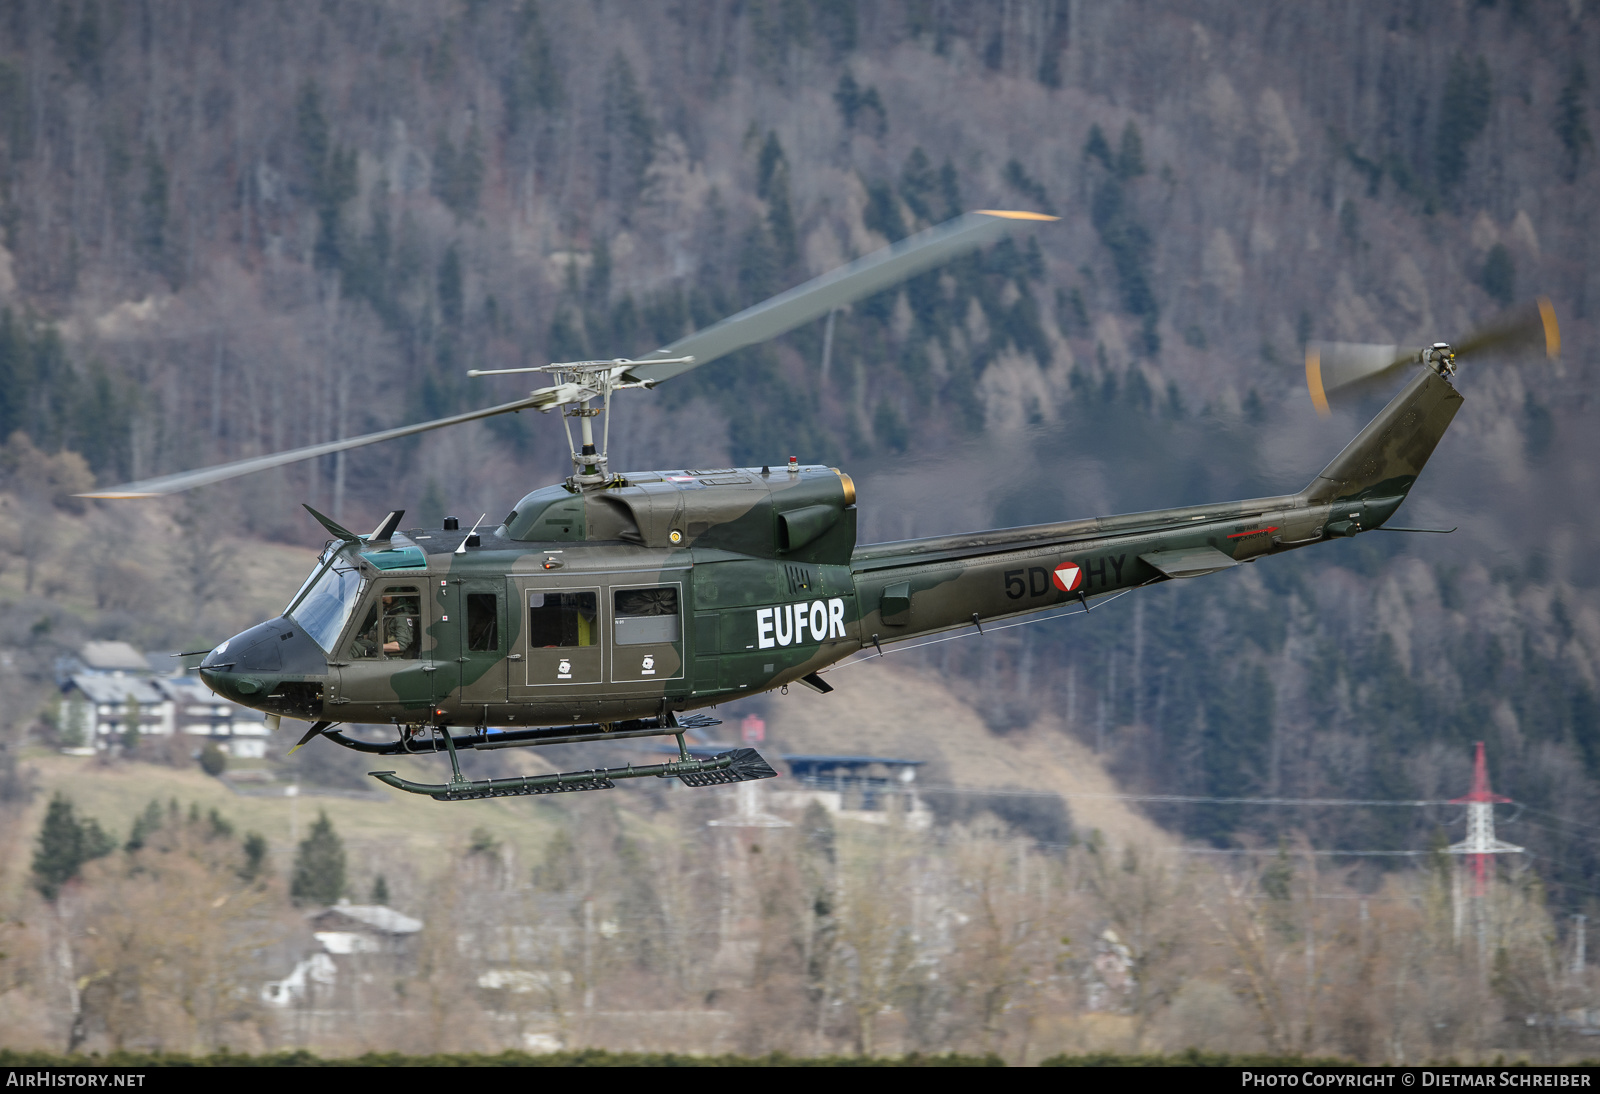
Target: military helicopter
<point>613,605</point>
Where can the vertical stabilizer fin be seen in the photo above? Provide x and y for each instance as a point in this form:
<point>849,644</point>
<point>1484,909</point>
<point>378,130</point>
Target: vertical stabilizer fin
<point>1386,457</point>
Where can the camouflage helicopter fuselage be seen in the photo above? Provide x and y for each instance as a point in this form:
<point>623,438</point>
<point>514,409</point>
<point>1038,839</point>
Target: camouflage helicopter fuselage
<point>668,591</point>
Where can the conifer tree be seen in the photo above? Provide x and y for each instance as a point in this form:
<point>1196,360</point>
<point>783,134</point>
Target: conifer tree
<point>65,844</point>
<point>255,856</point>
<point>319,865</point>
<point>143,825</point>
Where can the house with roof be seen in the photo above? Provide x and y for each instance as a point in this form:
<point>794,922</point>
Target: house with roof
<point>112,657</point>
<point>355,944</point>
<point>863,788</point>
<point>347,928</point>
<point>873,789</point>
<point>110,686</point>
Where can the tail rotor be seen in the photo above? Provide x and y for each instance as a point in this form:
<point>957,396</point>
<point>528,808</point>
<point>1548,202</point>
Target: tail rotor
<point>1339,371</point>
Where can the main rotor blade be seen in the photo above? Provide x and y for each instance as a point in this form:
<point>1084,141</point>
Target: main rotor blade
<point>769,319</point>
<point>188,480</point>
<point>835,289</point>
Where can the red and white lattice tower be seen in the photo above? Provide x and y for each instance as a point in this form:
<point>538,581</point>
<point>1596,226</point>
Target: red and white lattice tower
<point>1480,842</point>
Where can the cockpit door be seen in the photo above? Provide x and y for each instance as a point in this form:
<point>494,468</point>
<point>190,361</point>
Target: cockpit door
<point>385,668</point>
<point>483,639</point>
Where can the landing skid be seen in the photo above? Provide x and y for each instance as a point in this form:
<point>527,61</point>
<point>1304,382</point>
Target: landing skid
<point>737,766</point>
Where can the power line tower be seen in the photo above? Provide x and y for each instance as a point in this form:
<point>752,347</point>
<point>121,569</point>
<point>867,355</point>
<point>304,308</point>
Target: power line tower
<point>1480,843</point>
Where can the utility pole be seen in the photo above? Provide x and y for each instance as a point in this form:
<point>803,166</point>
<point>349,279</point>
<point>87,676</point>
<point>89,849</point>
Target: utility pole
<point>738,911</point>
<point>1579,947</point>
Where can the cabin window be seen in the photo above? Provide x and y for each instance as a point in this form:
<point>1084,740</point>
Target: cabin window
<point>646,616</point>
<point>562,619</point>
<point>392,630</point>
<point>483,623</point>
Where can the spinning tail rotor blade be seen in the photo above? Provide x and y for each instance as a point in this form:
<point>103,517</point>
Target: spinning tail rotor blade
<point>1338,370</point>
<point>1344,368</point>
<point>817,297</point>
<point>1529,327</point>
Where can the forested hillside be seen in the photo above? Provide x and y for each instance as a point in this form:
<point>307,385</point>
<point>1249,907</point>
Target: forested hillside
<point>231,229</point>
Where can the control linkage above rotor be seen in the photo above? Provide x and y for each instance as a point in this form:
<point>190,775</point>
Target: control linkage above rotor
<point>578,383</point>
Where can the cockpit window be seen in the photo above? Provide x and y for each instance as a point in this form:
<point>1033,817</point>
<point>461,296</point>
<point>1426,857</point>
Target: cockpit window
<point>326,606</point>
<point>393,627</point>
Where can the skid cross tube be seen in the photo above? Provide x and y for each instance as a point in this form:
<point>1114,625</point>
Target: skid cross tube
<point>519,738</point>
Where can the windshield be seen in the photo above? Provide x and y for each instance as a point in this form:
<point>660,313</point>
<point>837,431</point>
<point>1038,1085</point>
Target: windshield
<point>327,549</point>
<point>325,608</point>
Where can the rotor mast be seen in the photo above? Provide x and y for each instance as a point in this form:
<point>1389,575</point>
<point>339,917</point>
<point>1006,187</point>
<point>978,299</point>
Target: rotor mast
<point>577,385</point>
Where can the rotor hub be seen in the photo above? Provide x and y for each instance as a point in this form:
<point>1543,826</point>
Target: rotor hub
<point>1441,358</point>
<point>577,385</point>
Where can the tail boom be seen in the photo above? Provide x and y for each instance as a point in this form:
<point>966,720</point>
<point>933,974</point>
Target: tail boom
<point>913,588</point>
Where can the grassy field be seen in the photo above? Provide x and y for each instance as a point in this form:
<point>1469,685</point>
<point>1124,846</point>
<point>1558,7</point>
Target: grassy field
<point>405,837</point>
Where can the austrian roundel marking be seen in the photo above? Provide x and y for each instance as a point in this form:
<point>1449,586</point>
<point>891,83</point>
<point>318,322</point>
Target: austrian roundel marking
<point>1067,576</point>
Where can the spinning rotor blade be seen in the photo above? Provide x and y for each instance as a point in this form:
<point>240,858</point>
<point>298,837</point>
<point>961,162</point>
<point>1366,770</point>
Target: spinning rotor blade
<point>1524,327</point>
<point>1335,370</point>
<point>1348,367</point>
<point>835,289</point>
<point>188,480</point>
<point>782,313</point>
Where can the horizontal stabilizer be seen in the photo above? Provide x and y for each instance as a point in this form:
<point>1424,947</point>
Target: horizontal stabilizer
<point>1189,562</point>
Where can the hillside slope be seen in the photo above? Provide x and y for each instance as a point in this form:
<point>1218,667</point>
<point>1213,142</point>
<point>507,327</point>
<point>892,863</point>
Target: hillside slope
<point>228,232</point>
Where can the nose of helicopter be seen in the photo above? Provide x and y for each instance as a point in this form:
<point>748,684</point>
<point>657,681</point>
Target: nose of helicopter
<point>252,667</point>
